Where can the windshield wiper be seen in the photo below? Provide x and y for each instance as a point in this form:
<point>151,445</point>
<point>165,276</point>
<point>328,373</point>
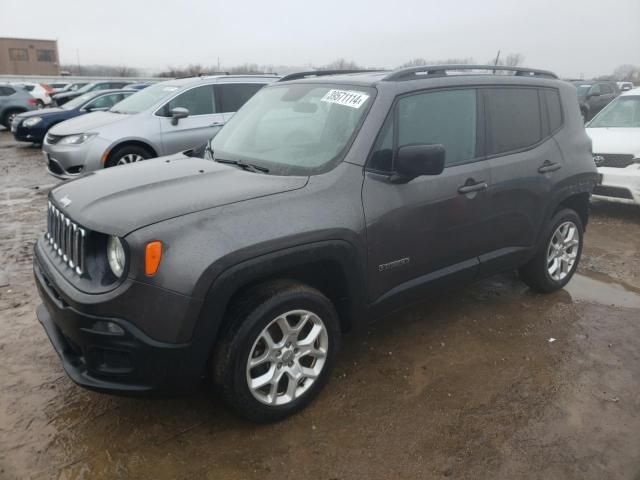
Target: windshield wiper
<point>245,166</point>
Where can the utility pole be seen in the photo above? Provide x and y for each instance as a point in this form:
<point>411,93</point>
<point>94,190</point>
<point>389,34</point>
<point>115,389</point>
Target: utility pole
<point>78,60</point>
<point>218,64</point>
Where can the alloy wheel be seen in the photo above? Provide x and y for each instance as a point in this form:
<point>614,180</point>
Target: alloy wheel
<point>130,158</point>
<point>287,357</point>
<point>563,251</point>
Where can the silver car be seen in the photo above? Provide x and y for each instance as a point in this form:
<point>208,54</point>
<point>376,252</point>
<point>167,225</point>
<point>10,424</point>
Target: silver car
<point>162,119</point>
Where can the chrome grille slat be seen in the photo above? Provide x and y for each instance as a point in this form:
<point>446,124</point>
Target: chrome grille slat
<point>66,238</point>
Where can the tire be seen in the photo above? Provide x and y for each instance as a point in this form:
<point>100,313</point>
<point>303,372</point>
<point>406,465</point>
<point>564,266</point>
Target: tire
<point>8,116</point>
<point>585,115</point>
<point>539,273</point>
<point>250,317</point>
<point>39,104</point>
<point>128,154</point>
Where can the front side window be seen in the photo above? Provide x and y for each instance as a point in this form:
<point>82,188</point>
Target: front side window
<point>296,129</point>
<point>595,90</point>
<point>233,95</point>
<point>78,101</point>
<point>105,101</point>
<point>623,112</point>
<point>446,117</point>
<point>18,55</point>
<point>513,119</point>
<point>198,100</point>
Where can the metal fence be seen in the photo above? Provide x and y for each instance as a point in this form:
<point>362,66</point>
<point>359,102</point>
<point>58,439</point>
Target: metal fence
<point>50,79</point>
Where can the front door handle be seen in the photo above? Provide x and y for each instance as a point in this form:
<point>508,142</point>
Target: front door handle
<point>548,166</point>
<point>473,187</point>
<point>217,124</point>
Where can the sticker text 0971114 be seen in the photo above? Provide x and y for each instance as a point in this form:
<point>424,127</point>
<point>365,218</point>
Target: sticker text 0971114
<point>347,98</point>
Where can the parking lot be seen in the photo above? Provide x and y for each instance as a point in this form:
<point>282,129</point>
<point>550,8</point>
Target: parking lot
<point>490,381</point>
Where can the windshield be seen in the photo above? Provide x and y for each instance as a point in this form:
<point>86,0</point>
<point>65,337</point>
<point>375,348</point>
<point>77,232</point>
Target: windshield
<point>583,90</point>
<point>296,129</point>
<point>76,102</point>
<point>623,112</point>
<point>144,99</point>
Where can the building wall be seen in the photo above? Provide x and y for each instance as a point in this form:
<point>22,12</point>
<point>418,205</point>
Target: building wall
<point>25,56</point>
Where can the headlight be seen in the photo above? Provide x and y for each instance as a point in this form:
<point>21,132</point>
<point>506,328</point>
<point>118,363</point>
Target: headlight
<point>30,122</point>
<point>77,139</point>
<point>116,256</point>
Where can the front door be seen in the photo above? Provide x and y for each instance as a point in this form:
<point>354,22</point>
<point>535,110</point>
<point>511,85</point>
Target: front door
<point>432,229</point>
<point>202,123</point>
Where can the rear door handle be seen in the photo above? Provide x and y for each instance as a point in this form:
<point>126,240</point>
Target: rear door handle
<point>548,166</point>
<point>474,187</point>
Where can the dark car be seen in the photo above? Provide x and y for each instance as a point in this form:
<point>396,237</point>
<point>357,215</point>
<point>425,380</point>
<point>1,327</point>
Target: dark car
<point>593,96</point>
<point>33,126</point>
<point>327,202</point>
<point>61,98</point>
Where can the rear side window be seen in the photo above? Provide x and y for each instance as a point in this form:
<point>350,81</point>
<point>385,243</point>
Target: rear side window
<point>445,117</point>
<point>233,95</point>
<point>554,108</point>
<point>198,100</point>
<point>513,119</point>
<point>6,91</point>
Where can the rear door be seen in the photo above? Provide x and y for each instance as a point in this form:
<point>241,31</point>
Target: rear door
<point>201,125</point>
<point>432,229</point>
<point>526,164</point>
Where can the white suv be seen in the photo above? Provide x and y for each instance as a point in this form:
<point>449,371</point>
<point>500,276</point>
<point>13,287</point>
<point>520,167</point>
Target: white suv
<point>615,133</point>
<point>38,92</point>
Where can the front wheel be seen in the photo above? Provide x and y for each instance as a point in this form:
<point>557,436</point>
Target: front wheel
<point>557,259</point>
<point>128,154</point>
<point>279,352</point>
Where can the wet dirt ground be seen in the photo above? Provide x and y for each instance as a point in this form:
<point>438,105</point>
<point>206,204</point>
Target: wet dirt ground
<point>469,386</point>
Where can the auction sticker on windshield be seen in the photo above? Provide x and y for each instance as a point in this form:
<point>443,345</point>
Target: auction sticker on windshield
<point>347,98</point>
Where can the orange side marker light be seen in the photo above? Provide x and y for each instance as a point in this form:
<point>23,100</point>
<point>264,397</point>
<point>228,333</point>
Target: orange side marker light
<point>153,255</point>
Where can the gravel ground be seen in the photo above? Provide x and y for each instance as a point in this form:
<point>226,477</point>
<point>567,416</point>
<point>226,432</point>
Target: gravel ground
<point>468,386</point>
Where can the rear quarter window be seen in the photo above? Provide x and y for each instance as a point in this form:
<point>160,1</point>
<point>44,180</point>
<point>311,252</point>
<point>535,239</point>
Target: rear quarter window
<point>554,108</point>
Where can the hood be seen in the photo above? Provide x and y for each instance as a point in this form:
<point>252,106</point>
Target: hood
<point>87,123</point>
<point>65,95</point>
<point>122,199</point>
<point>615,140</point>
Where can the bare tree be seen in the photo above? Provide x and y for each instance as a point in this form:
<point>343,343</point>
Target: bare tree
<point>340,64</point>
<point>627,73</point>
<point>513,60</point>
<point>417,62</point>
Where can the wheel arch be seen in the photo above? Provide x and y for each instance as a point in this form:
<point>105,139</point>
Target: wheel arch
<point>332,266</point>
<point>133,142</point>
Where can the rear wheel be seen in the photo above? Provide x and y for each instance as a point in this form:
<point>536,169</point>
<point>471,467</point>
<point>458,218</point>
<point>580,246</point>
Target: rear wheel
<point>8,118</point>
<point>279,351</point>
<point>558,257</point>
<point>39,104</point>
<point>128,154</point>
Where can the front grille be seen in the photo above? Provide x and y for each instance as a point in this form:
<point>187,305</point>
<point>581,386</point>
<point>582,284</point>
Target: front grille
<point>55,167</point>
<point>615,192</point>
<point>67,239</point>
<point>615,160</point>
<point>53,139</point>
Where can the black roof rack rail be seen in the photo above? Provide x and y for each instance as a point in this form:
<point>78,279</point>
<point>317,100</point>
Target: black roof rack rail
<point>441,70</point>
<point>322,73</point>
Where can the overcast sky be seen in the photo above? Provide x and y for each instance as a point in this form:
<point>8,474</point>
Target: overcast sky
<point>571,37</point>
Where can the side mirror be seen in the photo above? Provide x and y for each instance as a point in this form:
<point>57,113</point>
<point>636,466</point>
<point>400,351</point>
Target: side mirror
<point>177,113</point>
<point>416,160</point>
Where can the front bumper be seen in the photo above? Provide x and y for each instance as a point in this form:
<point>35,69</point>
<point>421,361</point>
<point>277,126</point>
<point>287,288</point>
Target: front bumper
<point>127,362</point>
<point>23,134</point>
<point>619,184</point>
<point>70,161</point>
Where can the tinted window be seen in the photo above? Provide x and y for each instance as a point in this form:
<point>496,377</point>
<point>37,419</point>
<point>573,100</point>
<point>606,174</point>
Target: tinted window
<point>199,101</point>
<point>513,119</point>
<point>6,91</point>
<point>46,55</point>
<point>605,89</point>
<point>18,55</point>
<point>554,109</point>
<point>595,89</point>
<point>232,96</point>
<point>447,118</point>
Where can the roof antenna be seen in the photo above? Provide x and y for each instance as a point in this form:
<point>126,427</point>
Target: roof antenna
<point>496,62</point>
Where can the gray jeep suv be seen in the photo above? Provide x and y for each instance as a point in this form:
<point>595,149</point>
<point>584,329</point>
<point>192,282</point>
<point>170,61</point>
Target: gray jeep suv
<point>326,202</point>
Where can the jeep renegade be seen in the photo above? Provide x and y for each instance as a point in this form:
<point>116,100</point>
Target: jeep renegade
<point>327,201</point>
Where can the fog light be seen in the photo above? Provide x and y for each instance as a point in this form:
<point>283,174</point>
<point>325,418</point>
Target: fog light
<point>109,328</point>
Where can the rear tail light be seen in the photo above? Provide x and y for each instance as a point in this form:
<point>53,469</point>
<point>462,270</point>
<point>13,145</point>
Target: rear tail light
<point>33,101</point>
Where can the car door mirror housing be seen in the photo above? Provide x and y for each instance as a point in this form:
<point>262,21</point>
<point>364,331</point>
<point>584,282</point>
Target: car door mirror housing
<point>416,160</point>
<point>177,113</point>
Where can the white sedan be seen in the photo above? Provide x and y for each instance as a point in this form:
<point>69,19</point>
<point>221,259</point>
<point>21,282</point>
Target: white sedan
<point>615,133</point>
